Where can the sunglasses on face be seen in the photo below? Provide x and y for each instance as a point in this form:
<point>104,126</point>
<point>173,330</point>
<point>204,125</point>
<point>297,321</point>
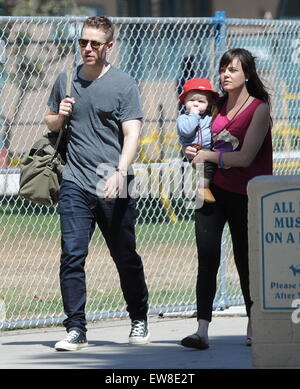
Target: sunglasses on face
<point>94,44</point>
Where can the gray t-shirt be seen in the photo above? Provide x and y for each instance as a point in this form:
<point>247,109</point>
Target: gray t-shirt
<point>95,134</point>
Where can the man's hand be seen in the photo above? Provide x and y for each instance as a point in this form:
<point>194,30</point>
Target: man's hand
<point>54,120</point>
<point>66,106</point>
<point>113,186</point>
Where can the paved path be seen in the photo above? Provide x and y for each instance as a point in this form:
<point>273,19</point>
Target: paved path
<point>33,349</point>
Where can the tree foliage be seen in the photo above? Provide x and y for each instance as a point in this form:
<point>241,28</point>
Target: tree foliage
<point>39,8</point>
<point>29,71</point>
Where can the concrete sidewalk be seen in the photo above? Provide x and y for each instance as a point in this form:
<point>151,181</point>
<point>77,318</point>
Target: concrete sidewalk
<point>108,348</point>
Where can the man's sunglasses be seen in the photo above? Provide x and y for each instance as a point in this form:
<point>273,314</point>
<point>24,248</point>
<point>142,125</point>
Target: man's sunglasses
<point>94,44</point>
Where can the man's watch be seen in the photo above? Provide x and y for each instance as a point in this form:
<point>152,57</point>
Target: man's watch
<point>123,172</point>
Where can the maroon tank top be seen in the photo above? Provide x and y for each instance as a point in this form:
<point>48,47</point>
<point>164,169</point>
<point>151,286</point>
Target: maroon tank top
<point>235,179</point>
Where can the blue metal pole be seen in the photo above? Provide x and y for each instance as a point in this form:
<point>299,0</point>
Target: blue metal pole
<point>219,24</point>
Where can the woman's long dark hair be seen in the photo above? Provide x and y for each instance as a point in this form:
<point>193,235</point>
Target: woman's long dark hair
<point>254,85</point>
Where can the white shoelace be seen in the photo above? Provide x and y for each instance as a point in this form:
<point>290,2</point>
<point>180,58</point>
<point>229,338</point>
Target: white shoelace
<point>138,328</point>
<point>71,336</point>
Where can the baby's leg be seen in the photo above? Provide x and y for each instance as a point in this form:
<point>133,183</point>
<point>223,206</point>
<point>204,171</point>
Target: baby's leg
<point>206,182</point>
<point>205,192</point>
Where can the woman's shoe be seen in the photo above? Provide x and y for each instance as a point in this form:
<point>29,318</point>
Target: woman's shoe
<point>249,334</point>
<point>195,341</point>
<point>249,341</point>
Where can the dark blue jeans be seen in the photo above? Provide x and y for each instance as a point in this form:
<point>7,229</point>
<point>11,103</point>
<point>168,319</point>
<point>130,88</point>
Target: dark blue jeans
<point>79,212</point>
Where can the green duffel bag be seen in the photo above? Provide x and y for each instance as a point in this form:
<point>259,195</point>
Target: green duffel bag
<point>41,172</point>
<point>42,167</point>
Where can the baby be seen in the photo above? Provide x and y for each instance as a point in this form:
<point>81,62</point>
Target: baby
<point>194,125</point>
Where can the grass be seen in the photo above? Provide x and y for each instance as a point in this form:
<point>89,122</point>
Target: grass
<point>42,225</point>
<point>46,226</point>
<point>22,307</point>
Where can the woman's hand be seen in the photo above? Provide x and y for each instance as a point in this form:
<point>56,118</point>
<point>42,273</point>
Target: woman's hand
<point>205,156</point>
<point>199,157</point>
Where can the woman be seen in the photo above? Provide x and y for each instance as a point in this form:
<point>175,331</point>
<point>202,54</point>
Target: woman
<point>241,123</point>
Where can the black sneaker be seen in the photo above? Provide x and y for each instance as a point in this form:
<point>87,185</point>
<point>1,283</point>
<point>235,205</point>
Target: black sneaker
<point>139,333</point>
<point>75,340</point>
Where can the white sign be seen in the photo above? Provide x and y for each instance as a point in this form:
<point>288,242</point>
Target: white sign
<point>280,254</point>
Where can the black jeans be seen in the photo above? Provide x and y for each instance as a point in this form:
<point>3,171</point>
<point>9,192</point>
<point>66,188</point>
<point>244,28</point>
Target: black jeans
<point>79,212</point>
<point>209,224</point>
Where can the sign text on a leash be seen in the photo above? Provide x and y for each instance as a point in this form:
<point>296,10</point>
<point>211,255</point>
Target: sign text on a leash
<point>280,249</point>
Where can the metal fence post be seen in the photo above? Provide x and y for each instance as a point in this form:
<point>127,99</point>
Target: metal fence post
<point>219,27</point>
<point>219,32</point>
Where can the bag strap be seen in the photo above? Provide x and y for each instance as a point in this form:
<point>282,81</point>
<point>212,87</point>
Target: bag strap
<point>69,82</point>
<point>232,119</point>
<point>67,119</point>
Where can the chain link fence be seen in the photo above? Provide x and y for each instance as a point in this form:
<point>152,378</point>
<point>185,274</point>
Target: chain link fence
<point>160,54</point>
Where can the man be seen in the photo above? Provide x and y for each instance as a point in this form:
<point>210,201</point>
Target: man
<point>105,121</point>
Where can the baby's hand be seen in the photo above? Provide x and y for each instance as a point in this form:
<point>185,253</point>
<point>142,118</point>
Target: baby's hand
<point>195,110</point>
<point>190,152</point>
